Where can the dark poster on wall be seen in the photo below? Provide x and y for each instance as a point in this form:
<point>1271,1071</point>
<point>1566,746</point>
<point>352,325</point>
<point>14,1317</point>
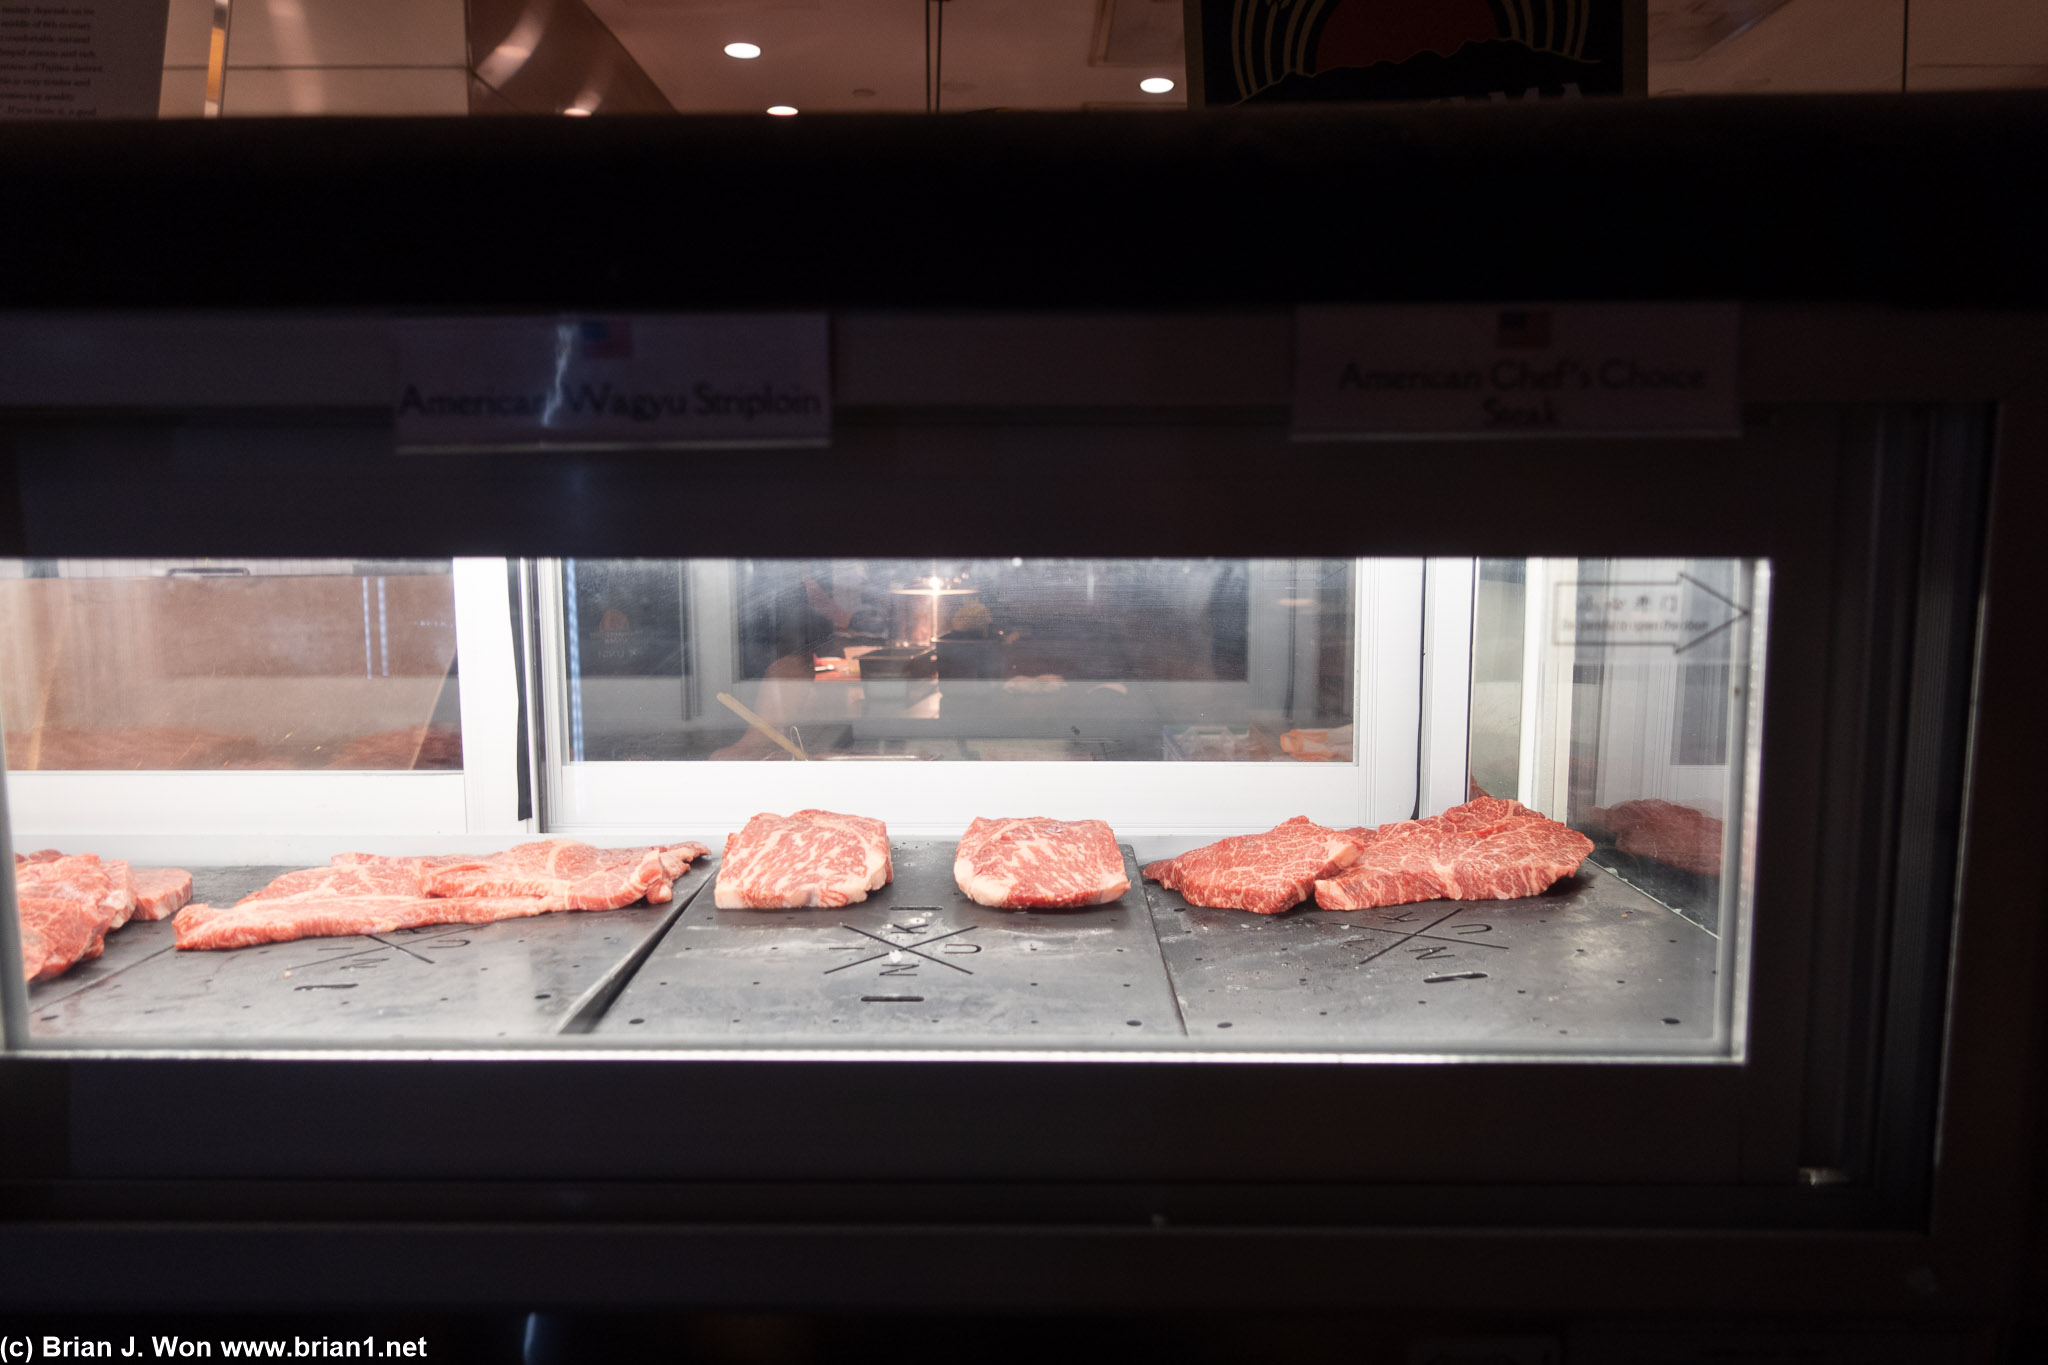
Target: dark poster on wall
<point>1312,51</point>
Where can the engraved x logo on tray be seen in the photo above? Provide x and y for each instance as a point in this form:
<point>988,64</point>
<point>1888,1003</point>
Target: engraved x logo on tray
<point>1407,937</point>
<point>911,948</point>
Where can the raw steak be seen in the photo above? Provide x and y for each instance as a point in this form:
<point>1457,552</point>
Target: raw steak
<point>365,893</point>
<point>1677,836</point>
<point>1038,863</point>
<point>566,874</point>
<point>1264,873</point>
<point>69,903</point>
<point>161,891</point>
<point>1488,849</point>
<point>55,933</point>
<point>107,887</point>
<point>813,857</point>
<point>360,897</point>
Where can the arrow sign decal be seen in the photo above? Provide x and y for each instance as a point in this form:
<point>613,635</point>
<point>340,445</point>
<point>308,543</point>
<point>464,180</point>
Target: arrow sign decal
<point>1677,615</point>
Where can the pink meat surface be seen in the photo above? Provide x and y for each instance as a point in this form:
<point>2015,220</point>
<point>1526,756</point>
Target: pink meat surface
<point>161,891</point>
<point>357,898</point>
<point>811,858</point>
<point>57,932</point>
<point>566,874</point>
<point>70,902</point>
<point>1677,836</point>
<point>120,900</point>
<point>1263,873</point>
<point>1488,849</point>
<point>1036,863</point>
<point>365,893</point>
<point>36,952</point>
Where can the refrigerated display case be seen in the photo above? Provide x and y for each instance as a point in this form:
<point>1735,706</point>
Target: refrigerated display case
<point>1049,561</point>
<point>1178,700</point>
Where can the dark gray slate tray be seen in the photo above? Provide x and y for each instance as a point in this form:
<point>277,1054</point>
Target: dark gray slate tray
<point>1593,962</point>
<point>514,979</point>
<point>916,960</point>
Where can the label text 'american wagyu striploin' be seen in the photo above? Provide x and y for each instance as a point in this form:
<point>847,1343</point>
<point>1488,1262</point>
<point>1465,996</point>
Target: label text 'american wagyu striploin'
<point>1040,864</point>
<point>362,893</point>
<point>814,858</point>
<point>1488,849</point>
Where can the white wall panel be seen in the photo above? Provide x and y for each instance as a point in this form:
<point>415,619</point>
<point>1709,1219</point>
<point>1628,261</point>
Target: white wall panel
<point>340,33</point>
<point>254,92</point>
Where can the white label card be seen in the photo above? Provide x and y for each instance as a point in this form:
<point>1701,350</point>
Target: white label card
<point>81,59</point>
<point>1516,370</point>
<point>611,383</point>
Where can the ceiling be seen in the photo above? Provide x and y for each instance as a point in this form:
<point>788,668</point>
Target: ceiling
<point>820,55</point>
<point>409,56</point>
<point>1042,54</point>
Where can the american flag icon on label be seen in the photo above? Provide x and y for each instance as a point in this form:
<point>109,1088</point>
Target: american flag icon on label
<point>608,339</point>
<point>1524,327</point>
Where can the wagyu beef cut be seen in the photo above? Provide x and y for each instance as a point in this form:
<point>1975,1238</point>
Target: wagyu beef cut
<point>1263,873</point>
<point>1664,831</point>
<point>1038,863</point>
<point>161,892</point>
<point>811,858</point>
<point>70,902</point>
<point>567,874</point>
<point>363,893</point>
<point>365,897</point>
<point>1488,849</point>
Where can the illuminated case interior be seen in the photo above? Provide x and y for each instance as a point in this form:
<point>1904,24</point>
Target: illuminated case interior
<point>292,711</point>
<point>1055,562</point>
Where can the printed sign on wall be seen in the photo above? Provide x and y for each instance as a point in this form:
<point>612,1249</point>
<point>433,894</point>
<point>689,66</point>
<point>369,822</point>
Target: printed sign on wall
<point>1516,370</point>
<point>81,59</point>
<point>1295,51</point>
<point>613,383</point>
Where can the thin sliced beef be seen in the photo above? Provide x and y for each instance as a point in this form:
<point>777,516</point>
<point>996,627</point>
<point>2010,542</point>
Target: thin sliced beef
<point>1263,873</point>
<point>353,899</point>
<point>566,874</point>
<point>811,858</point>
<point>1488,849</point>
<point>1663,831</point>
<point>1036,863</point>
<point>365,893</point>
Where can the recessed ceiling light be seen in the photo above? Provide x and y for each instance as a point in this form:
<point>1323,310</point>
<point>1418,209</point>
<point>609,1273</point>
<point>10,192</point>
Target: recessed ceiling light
<point>1155,85</point>
<point>577,111</point>
<point>744,51</point>
<point>782,110</point>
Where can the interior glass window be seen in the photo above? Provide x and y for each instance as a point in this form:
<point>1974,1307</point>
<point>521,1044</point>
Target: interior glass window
<point>239,665</point>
